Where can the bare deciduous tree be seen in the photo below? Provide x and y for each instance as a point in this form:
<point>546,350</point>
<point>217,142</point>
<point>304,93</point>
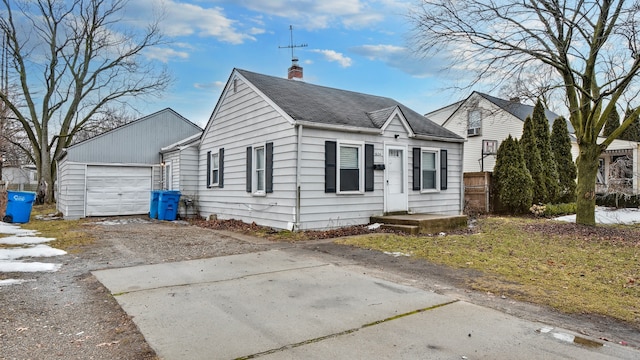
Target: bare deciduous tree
<point>590,45</point>
<point>72,58</point>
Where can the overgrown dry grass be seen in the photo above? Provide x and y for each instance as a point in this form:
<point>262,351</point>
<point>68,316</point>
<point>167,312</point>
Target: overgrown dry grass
<point>571,268</point>
<point>70,235</point>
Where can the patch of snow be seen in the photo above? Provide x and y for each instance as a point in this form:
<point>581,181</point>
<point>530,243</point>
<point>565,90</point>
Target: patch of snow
<point>113,222</point>
<point>23,240</point>
<point>17,238</point>
<point>6,282</point>
<point>606,215</point>
<point>12,229</point>
<point>396,253</point>
<point>374,226</point>
<point>19,266</point>
<point>33,251</point>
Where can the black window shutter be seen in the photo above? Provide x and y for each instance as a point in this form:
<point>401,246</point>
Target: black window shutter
<point>329,166</point>
<point>443,170</point>
<point>208,169</point>
<point>220,168</point>
<point>268,171</point>
<point>368,167</point>
<point>416,168</point>
<point>249,184</point>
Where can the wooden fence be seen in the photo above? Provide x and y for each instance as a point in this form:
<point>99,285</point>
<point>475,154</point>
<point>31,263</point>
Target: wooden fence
<point>477,193</point>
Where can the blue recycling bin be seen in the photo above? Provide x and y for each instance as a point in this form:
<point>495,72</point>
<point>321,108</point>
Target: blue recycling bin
<point>153,209</point>
<point>168,205</point>
<point>19,204</point>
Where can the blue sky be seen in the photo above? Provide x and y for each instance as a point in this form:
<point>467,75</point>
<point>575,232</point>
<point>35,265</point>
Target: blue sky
<point>358,45</point>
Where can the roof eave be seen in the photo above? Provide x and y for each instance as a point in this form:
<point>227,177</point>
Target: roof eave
<point>439,138</point>
<point>343,128</point>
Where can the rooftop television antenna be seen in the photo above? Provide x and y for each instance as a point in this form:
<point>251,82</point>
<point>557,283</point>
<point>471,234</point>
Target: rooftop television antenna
<point>292,45</point>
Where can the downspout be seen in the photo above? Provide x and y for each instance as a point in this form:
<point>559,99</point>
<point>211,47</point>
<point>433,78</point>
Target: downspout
<point>462,179</point>
<point>298,176</point>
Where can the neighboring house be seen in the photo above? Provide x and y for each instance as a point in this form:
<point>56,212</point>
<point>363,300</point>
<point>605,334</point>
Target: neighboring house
<point>180,169</point>
<point>113,173</point>
<point>21,178</point>
<point>484,121</point>
<point>292,155</point>
<point>617,168</point>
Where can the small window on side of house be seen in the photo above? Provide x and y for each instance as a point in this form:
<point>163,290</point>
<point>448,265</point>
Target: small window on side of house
<point>350,168</point>
<point>474,123</point>
<point>259,155</point>
<point>429,169</point>
<point>215,169</point>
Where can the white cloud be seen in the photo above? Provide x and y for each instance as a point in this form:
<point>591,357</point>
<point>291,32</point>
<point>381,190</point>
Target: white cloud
<point>211,85</point>
<point>400,58</point>
<point>185,19</point>
<point>332,55</point>
<point>164,54</point>
<point>312,14</point>
<point>380,52</point>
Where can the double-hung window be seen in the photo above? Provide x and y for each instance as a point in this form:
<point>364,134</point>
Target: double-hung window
<point>474,123</point>
<point>259,169</point>
<point>351,167</point>
<point>259,175</point>
<point>215,168</point>
<point>430,169</point>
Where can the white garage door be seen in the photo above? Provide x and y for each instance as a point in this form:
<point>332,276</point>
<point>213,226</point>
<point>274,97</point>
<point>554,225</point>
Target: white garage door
<point>118,190</point>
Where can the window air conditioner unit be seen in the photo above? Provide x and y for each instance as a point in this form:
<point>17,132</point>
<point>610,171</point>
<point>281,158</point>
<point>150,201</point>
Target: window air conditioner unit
<point>473,131</point>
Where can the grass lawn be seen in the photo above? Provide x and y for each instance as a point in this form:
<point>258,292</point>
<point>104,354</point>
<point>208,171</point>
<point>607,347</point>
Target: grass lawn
<point>70,234</point>
<point>572,268</point>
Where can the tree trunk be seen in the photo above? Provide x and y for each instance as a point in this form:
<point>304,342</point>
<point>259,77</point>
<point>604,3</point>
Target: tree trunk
<point>587,164</point>
<point>46,174</point>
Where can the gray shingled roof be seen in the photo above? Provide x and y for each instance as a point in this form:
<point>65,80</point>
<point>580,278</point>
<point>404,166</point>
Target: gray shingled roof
<point>521,111</point>
<point>319,104</point>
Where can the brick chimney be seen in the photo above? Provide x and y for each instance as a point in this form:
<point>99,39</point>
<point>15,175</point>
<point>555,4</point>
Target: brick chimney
<point>295,71</point>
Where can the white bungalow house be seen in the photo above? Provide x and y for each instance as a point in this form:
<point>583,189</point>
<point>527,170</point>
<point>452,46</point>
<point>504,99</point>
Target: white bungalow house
<point>485,121</point>
<point>293,155</point>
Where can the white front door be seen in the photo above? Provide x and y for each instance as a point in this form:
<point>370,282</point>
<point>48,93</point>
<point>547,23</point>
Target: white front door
<point>396,198</point>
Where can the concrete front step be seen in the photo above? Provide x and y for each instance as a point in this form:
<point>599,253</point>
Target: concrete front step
<point>407,229</point>
<point>426,223</point>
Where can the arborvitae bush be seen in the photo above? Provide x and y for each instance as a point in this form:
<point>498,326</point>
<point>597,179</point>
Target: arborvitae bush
<point>613,122</point>
<point>631,133</point>
<point>550,171</point>
<point>533,161</point>
<point>567,171</point>
<point>512,181</point>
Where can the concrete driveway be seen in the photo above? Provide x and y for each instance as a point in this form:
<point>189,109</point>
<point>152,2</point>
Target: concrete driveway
<point>281,304</point>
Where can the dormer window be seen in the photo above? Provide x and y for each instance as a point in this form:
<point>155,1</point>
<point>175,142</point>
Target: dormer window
<point>474,123</point>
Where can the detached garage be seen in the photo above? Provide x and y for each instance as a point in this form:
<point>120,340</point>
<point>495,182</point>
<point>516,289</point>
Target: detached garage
<point>113,173</point>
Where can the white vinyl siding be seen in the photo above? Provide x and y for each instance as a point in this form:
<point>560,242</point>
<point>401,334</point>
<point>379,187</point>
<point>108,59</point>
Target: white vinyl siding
<point>71,189</point>
<point>244,119</point>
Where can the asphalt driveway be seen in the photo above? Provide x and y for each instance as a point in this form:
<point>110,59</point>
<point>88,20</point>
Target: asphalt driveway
<point>291,304</point>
